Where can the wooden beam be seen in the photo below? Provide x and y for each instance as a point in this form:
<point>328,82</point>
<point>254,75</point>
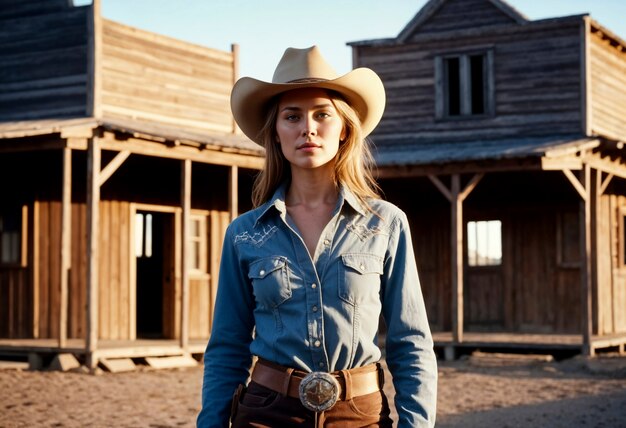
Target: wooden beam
<point>93,234</point>
<point>614,167</point>
<point>442,188</point>
<point>234,49</point>
<point>214,157</point>
<point>470,186</point>
<point>456,234</point>
<point>582,191</point>
<point>604,183</point>
<point>186,206</point>
<point>233,192</point>
<point>94,63</point>
<point>585,250</point>
<point>112,166</point>
<point>66,242</point>
<point>469,167</point>
<point>35,271</point>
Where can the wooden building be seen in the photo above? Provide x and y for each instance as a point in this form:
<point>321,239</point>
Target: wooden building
<point>121,167</point>
<point>503,139</point>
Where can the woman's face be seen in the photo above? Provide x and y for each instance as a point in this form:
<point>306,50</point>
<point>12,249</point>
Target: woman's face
<point>308,128</point>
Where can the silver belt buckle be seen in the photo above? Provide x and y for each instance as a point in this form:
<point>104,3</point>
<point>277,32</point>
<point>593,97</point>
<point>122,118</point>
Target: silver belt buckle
<point>319,391</point>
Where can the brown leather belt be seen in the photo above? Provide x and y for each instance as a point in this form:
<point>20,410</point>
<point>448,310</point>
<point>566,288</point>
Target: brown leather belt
<point>286,381</point>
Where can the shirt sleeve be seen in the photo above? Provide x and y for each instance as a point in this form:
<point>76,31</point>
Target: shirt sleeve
<point>409,346</point>
<point>227,359</point>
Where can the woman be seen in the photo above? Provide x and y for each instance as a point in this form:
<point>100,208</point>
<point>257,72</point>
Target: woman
<point>305,275</point>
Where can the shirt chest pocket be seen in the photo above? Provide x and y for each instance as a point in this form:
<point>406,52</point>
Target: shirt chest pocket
<point>270,281</point>
<point>359,277</point>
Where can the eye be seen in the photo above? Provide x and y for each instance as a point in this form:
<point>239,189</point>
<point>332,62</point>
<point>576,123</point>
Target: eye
<point>291,117</point>
<point>323,115</point>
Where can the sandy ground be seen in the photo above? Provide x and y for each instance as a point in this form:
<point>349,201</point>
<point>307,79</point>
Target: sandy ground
<point>484,390</point>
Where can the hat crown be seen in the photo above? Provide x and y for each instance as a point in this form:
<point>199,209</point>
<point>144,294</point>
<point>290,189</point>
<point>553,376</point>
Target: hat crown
<point>298,65</point>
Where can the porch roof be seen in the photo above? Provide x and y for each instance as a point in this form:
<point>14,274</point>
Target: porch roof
<point>156,132</point>
<point>392,151</point>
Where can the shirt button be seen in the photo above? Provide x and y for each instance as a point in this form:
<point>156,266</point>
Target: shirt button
<point>262,272</point>
<point>362,267</point>
<point>314,308</point>
<point>326,242</point>
<point>317,343</point>
<point>321,364</point>
<point>314,285</point>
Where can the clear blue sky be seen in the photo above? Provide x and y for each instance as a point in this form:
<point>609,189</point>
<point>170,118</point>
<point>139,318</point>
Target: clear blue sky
<point>264,28</point>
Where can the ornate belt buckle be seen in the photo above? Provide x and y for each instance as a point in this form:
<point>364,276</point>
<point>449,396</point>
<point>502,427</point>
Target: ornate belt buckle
<point>319,391</point>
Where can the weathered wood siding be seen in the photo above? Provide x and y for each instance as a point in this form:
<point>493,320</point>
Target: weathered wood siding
<point>536,78</point>
<point>474,12</point>
<point>15,303</point>
<point>611,296</point>
<point>155,78</point>
<point>608,88</point>
<point>43,60</point>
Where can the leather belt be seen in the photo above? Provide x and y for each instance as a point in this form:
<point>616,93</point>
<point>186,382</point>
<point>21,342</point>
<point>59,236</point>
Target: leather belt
<point>293,383</point>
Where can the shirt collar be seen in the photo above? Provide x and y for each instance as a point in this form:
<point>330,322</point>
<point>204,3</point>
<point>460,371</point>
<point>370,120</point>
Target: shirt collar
<point>277,201</point>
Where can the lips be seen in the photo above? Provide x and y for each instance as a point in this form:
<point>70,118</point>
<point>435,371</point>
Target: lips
<point>308,145</point>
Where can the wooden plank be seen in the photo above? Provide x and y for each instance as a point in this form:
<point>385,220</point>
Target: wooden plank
<point>234,48</point>
<point>124,278</point>
<point>132,275</point>
<point>176,361</point>
<point>185,262</point>
<point>93,204</point>
<point>44,271</point>
<point>470,186</point>
<point>456,248</point>
<point>582,191</point>
<point>441,187</point>
<point>233,192</point>
<point>94,60</point>
<point>66,242</point>
<point>118,365</point>
<point>35,270</point>
<point>104,289</point>
<point>114,270</point>
<point>585,81</point>
<point>112,166</point>
<point>586,281</point>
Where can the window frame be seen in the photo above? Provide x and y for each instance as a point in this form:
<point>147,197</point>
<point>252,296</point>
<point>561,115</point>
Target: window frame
<point>22,258</point>
<point>442,112</point>
<point>560,258</point>
<point>202,240</point>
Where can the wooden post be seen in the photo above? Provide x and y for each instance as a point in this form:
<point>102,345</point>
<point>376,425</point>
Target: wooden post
<point>66,238</point>
<point>93,235</point>
<point>94,63</point>
<point>233,192</point>
<point>234,49</point>
<point>456,246</point>
<point>586,271</point>
<point>186,205</point>
<point>583,187</point>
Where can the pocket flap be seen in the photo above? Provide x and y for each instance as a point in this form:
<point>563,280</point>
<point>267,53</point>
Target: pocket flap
<point>263,267</point>
<point>363,263</point>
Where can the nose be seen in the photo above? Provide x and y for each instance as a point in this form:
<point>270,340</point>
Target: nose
<point>310,128</point>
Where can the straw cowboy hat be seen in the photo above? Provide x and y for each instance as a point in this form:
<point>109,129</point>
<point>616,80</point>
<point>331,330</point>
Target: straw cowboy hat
<point>306,68</point>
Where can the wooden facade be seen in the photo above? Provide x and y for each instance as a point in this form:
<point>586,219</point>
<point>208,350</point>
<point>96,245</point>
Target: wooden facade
<point>125,169</point>
<point>493,117</point>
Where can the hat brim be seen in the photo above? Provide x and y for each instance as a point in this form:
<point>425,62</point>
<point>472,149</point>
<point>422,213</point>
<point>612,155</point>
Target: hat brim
<point>362,89</point>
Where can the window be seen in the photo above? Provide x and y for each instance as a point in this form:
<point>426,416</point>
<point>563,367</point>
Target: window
<point>198,243</point>
<point>484,243</point>
<point>12,236</point>
<point>464,86</point>
<point>568,239</point>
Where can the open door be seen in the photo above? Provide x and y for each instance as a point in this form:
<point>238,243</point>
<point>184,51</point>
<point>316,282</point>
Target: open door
<point>153,244</point>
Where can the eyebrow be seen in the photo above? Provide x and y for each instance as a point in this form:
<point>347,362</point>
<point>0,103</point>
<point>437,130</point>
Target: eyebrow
<point>315,107</point>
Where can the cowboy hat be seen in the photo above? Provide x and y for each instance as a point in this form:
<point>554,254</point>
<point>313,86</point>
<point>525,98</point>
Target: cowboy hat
<point>306,68</point>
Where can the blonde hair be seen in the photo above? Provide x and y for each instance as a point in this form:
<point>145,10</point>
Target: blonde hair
<point>353,161</point>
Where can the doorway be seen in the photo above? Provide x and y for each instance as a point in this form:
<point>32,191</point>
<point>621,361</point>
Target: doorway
<point>153,237</point>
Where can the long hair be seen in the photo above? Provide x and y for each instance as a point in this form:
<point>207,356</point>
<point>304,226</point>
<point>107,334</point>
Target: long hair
<point>353,161</point>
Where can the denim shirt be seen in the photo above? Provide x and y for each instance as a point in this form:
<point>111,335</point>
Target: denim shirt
<point>320,312</point>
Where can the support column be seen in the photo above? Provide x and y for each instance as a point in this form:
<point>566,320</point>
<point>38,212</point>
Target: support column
<point>456,196</point>
<point>456,245</point>
<point>583,187</point>
<point>186,206</point>
<point>93,204</point>
<point>233,192</point>
<point>66,238</point>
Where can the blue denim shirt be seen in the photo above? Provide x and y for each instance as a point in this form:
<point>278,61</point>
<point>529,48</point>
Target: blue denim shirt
<point>320,312</point>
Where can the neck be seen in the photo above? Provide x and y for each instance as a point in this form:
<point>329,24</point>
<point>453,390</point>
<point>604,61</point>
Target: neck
<point>311,188</point>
